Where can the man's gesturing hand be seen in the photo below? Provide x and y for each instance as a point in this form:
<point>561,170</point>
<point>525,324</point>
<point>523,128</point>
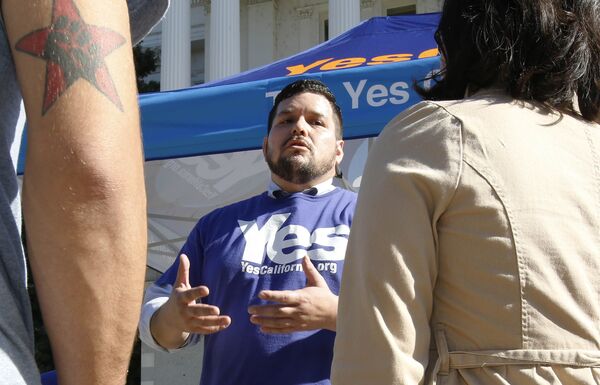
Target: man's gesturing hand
<point>181,314</point>
<point>313,307</point>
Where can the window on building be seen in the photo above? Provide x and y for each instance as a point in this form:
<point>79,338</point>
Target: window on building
<point>197,61</point>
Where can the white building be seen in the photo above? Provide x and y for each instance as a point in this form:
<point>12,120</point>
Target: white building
<point>204,40</point>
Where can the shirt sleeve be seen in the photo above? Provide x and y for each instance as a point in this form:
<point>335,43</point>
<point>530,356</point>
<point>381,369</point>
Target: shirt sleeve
<point>158,293</point>
<point>386,298</point>
<point>154,298</point>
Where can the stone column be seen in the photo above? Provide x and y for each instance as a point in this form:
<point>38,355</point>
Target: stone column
<point>175,56</point>
<point>426,6</point>
<point>224,35</point>
<point>261,32</point>
<point>308,28</point>
<point>367,9</point>
<point>343,15</point>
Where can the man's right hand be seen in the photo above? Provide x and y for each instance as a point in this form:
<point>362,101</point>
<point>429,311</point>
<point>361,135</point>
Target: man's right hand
<point>181,314</point>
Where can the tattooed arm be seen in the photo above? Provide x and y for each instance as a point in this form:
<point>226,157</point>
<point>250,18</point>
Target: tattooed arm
<point>84,198</point>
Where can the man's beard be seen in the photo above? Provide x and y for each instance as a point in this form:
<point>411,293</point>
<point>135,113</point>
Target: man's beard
<point>293,169</point>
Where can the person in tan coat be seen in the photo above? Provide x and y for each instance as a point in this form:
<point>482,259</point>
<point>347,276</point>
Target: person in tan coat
<point>474,255</point>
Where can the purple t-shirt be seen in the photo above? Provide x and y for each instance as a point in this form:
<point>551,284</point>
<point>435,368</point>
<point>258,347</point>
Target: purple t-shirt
<point>258,244</point>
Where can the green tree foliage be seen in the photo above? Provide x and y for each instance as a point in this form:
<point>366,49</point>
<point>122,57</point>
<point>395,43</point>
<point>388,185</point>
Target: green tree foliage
<point>146,61</point>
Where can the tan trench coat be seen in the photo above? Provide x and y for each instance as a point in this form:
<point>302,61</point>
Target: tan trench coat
<point>474,256</point>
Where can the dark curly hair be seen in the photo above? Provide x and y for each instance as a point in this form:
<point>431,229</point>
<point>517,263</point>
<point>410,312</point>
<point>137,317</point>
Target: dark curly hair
<point>315,87</point>
<point>539,50</point>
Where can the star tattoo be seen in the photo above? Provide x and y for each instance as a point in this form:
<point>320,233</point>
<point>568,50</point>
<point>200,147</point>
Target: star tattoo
<point>73,50</point>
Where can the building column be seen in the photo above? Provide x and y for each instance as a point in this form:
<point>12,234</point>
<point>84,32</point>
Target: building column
<point>175,56</point>
<point>367,9</point>
<point>224,36</point>
<point>308,28</point>
<point>426,6</point>
<point>343,15</point>
<point>261,32</point>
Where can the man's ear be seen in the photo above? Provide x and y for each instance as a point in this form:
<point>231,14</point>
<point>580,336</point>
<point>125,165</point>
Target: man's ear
<point>265,146</point>
<point>339,151</point>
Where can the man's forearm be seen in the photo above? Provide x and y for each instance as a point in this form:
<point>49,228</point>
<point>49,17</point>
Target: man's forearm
<point>88,262</point>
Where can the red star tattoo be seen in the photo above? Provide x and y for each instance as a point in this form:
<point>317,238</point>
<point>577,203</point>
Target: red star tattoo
<point>73,50</point>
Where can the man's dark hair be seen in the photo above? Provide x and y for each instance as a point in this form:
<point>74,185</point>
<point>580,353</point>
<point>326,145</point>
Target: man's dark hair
<point>314,87</point>
<point>539,50</point>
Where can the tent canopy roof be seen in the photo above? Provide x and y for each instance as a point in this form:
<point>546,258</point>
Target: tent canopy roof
<point>370,68</point>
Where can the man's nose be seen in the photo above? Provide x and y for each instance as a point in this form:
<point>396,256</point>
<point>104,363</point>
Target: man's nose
<point>301,127</point>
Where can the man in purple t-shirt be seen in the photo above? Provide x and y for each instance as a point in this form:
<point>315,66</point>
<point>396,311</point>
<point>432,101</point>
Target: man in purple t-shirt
<point>266,269</point>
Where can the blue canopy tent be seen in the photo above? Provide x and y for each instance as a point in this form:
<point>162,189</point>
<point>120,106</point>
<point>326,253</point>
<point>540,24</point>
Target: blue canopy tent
<point>370,68</point>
